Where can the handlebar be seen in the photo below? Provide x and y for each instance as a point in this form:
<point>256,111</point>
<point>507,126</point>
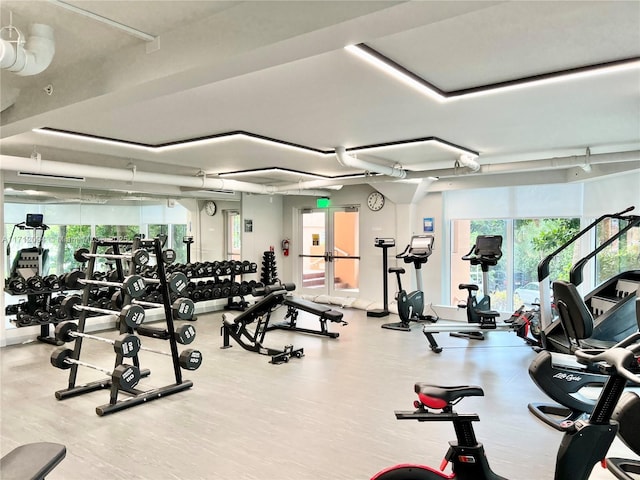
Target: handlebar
<point>622,357</point>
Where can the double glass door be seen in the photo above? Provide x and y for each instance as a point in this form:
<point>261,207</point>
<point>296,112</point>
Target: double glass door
<point>330,251</point>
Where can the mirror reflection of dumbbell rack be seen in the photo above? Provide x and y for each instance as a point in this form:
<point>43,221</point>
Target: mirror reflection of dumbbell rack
<point>39,306</point>
<point>219,280</point>
<point>127,288</point>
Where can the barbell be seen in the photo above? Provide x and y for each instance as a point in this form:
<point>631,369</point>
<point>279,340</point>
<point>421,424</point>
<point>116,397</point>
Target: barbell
<point>133,285</point>
<point>126,376</point>
<point>139,257</point>
<point>127,345</point>
<point>183,308</point>
<point>131,315</point>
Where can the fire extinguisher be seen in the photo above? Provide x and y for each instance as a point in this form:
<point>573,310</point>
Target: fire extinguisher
<point>285,247</point>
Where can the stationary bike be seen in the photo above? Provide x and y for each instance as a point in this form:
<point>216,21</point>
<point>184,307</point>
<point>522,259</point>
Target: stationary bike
<point>486,252</point>
<point>584,443</point>
<point>411,304</point>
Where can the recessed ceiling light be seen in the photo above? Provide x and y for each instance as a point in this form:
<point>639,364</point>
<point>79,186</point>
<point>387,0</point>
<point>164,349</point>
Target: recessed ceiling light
<point>91,138</point>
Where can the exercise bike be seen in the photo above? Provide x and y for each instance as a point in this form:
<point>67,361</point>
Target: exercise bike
<point>486,252</point>
<point>411,304</point>
<point>584,443</point>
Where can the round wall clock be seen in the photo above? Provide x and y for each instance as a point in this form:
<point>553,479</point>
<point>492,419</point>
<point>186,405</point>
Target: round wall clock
<point>375,201</point>
<point>210,208</point>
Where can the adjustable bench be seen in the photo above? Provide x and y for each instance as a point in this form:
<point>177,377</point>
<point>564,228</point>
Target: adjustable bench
<point>33,461</point>
<point>235,326</point>
<point>324,314</point>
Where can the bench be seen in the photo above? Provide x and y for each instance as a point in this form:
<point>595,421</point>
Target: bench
<point>32,461</point>
<point>324,314</point>
<point>235,326</point>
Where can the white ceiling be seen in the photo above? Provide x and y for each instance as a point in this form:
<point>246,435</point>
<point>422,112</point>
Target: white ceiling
<point>279,70</point>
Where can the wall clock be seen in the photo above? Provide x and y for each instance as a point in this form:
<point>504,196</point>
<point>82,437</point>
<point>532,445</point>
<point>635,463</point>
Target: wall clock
<point>210,208</point>
<point>375,201</point>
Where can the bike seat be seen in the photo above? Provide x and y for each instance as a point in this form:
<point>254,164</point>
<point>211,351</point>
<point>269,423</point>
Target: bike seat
<point>435,396</point>
<point>396,269</point>
<point>488,313</point>
<point>468,286</point>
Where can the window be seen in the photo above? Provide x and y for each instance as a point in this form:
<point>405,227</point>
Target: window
<point>514,280</point>
<point>621,255</point>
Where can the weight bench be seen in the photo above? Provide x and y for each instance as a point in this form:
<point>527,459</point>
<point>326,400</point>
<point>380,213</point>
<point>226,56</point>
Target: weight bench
<point>235,326</point>
<point>324,314</point>
<point>33,461</point>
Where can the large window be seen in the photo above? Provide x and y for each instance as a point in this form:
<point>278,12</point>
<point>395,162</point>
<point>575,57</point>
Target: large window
<point>514,281</point>
<point>622,254</point>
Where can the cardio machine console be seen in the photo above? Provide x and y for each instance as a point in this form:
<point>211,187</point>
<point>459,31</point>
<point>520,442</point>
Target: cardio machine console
<point>384,242</point>
<point>421,245</point>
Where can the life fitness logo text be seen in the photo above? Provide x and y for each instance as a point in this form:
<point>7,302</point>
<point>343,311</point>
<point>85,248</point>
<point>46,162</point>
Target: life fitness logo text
<point>568,377</point>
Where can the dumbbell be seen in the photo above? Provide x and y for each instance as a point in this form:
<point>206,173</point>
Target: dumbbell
<point>183,308</point>
<point>127,345</point>
<point>125,376</point>
<point>35,283</point>
<point>139,257</point>
<point>17,285</point>
<point>177,282</point>
<point>131,315</point>
<point>51,282</point>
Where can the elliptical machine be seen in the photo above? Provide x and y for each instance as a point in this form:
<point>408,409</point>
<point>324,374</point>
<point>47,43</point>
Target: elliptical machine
<point>411,305</point>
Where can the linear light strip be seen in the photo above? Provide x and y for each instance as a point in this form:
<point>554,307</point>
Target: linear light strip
<point>441,143</point>
<point>245,135</point>
<point>258,171</point>
<point>92,138</point>
<point>397,71</point>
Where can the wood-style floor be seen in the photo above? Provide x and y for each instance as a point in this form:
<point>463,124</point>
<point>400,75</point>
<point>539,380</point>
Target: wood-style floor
<point>327,416</point>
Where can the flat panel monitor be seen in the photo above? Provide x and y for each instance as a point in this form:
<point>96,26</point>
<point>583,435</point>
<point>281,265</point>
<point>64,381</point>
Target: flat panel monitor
<point>34,220</point>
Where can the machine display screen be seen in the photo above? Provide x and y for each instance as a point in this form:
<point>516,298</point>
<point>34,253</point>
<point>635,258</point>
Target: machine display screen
<point>34,220</point>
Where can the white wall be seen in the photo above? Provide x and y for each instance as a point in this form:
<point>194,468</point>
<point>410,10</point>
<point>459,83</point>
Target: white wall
<point>265,212</point>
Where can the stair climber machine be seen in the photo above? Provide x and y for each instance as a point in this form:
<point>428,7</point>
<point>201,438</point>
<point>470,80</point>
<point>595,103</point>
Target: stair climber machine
<point>411,304</point>
<point>480,318</point>
<point>559,375</point>
<point>611,304</point>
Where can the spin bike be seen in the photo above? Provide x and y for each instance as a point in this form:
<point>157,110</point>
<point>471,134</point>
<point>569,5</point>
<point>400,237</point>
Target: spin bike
<point>584,443</point>
<point>411,304</point>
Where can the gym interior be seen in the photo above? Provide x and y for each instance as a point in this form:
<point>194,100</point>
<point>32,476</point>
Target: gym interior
<point>242,240</point>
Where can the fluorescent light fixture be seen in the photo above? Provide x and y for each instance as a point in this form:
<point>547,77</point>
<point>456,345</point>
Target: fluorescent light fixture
<point>394,70</point>
<point>90,138</point>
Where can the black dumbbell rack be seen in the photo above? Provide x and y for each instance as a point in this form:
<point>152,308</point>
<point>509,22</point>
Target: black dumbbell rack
<point>37,310</point>
<point>269,270</point>
<point>134,395</point>
<point>219,280</point>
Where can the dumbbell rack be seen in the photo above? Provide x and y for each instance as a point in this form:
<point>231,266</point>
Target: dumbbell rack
<point>269,269</point>
<point>135,395</point>
<point>37,305</point>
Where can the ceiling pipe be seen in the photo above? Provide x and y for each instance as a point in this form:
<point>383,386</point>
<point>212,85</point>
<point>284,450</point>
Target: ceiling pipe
<point>470,162</point>
<point>571,161</point>
<point>347,160</point>
<point>46,167</point>
<point>30,57</point>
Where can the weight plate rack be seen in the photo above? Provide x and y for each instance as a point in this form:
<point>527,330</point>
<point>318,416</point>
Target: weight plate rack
<point>127,288</point>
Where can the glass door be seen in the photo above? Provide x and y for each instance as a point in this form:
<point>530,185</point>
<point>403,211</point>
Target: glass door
<point>330,251</point>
